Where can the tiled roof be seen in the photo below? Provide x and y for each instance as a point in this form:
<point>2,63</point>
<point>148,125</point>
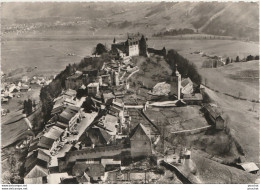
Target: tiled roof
<point>185,82</point>
<point>211,111</point>
<point>45,142</point>
<point>54,133</point>
<point>67,114</point>
<point>37,158</point>
<point>145,129</point>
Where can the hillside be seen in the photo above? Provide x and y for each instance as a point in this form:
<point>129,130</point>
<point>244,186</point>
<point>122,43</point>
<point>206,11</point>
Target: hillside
<point>231,19</point>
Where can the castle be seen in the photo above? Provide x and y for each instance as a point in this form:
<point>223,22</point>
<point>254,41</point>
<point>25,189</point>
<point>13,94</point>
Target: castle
<point>134,45</point>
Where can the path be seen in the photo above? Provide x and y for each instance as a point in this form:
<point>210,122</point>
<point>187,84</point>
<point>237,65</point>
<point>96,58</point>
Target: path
<point>178,173</point>
<point>192,130</point>
<point>213,17</point>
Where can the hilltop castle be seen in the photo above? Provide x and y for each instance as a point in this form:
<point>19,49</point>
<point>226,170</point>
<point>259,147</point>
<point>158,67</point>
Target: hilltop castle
<point>134,45</point>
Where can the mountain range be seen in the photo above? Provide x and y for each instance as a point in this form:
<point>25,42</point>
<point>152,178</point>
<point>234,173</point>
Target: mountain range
<point>236,19</point>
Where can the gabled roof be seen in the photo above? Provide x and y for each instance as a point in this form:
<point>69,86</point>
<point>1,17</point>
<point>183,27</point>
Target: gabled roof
<point>33,145</point>
<point>212,112</point>
<point>185,82</point>
<point>54,133</point>
<point>37,171</point>
<point>105,134</point>
<point>141,127</point>
<point>39,158</point>
<point>61,125</point>
<point>45,142</point>
<point>67,114</point>
<point>99,136</point>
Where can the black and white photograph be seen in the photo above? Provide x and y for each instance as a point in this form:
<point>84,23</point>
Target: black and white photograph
<point>130,92</point>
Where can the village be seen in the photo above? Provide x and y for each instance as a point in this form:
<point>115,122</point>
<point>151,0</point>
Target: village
<point>18,89</point>
<point>104,129</point>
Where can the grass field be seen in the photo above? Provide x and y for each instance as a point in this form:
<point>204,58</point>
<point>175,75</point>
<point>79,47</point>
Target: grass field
<point>238,79</point>
<point>213,172</point>
<point>243,122</point>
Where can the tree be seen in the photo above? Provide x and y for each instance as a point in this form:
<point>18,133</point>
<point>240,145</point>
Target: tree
<point>237,59</point>
<point>29,106</point>
<point>25,106</point>
<point>34,104</point>
<point>227,61</point>
<point>100,49</point>
<point>257,57</point>
<point>89,105</point>
<point>249,58</point>
<point>80,93</point>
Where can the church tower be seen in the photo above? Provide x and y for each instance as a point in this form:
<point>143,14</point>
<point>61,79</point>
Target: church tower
<point>176,83</point>
<point>178,76</point>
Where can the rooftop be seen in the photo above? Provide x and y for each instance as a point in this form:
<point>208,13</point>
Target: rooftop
<point>196,96</point>
<point>45,142</point>
<point>54,133</point>
<point>93,84</point>
<point>185,82</point>
<point>249,166</point>
<point>68,113</point>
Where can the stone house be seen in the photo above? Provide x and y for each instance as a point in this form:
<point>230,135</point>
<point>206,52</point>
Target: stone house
<point>140,141</point>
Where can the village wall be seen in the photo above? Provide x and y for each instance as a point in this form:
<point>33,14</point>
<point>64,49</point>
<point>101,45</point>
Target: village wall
<point>92,153</point>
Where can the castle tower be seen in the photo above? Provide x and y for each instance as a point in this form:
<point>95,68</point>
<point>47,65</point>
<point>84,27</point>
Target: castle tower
<point>114,41</point>
<point>143,46</point>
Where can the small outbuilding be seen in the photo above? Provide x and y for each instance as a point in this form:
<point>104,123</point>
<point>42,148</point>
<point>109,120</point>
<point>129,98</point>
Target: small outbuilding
<point>214,117</point>
<point>249,167</point>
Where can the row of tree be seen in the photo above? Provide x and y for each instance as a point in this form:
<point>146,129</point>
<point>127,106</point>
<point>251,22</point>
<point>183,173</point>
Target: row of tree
<point>28,106</point>
<point>185,68</point>
<point>248,58</point>
<point>175,32</point>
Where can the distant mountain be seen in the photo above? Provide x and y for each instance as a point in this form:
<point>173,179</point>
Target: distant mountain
<point>238,19</point>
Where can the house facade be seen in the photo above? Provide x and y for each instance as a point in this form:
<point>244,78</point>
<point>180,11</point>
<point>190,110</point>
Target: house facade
<point>93,89</point>
<point>140,142</point>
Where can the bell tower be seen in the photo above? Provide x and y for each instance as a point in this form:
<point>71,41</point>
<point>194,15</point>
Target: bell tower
<point>176,83</point>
